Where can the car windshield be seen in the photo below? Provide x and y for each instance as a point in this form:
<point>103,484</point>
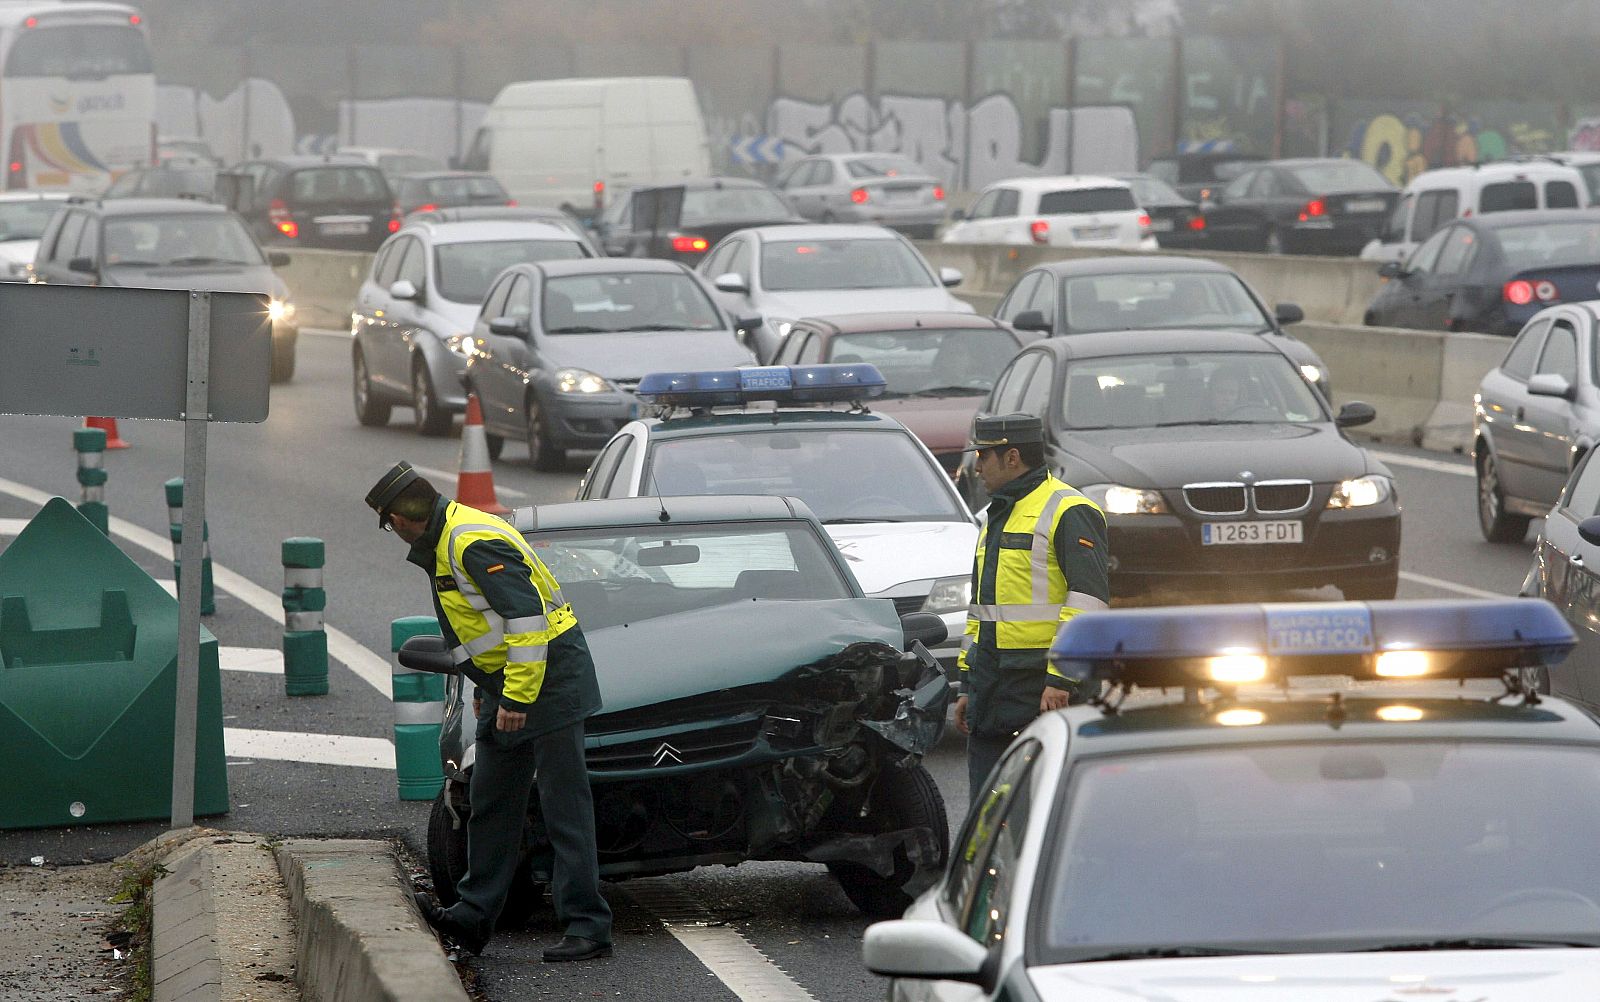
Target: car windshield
<point>195,238</point>
<point>870,167</point>
<point>465,269</point>
<point>26,220</point>
<point>810,265</point>
<point>843,474</point>
<point>626,575</point>
<point>1076,200</point>
<point>1548,245</point>
<point>395,164</point>
<point>481,190</point>
<point>166,182</point>
<point>332,185</point>
<point>730,205</point>
<point>1150,391</point>
<point>1344,175</point>
<point>1143,300</point>
<point>637,301</point>
<point>930,362</point>
<point>1149,191</point>
<point>1324,847</point>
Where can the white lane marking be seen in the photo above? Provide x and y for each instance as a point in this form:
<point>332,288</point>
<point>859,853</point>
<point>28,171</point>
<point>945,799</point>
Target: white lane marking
<point>258,660</point>
<point>441,477</point>
<point>746,971</point>
<point>1423,463</point>
<point>1440,583</point>
<point>314,749</point>
<point>368,667</point>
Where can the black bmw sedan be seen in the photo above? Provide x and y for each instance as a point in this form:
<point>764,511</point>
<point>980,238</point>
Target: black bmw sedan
<point>1218,467</point>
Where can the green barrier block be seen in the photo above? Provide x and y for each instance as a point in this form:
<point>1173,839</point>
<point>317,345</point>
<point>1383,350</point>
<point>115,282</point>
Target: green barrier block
<point>98,515</point>
<point>90,477</point>
<point>303,551</point>
<point>304,599</point>
<point>406,627</point>
<point>89,440</point>
<point>419,687</point>
<point>208,588</point>
<point>305,663</point>
<point>88,681</point>
<point>416,761</point>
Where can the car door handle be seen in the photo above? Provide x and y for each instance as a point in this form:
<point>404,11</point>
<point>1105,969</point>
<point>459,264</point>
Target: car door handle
<point>1576,560</point>
<point>1520,412</point>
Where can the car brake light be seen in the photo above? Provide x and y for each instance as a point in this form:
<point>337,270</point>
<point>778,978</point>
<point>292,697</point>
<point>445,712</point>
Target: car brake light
<point>690,245</point>
<point>938,193</point>
<point>1519,292</point>
<point>278,214</point>
<point>1197,223</point>
<point>289,228</point>
<point>16,166</point>
<point>135,20</point>
<point>1315,209</point>
<point>394,224</point>
<point>1040,231</point>
<point>430,207</point>
<point>511,202</point>
<point>1144,222</point>
<point>31,22</point>
<point>859,196</point>
<point>1546,291</point>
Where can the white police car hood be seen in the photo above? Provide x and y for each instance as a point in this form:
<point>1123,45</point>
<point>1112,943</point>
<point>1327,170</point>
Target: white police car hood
<point>885,554</point>
<point>1438,976</point>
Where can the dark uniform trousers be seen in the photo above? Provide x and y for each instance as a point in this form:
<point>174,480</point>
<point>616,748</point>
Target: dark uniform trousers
<point>1002,702</point>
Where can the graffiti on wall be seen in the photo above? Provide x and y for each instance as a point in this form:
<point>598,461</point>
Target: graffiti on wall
<point>1404,145</point>
<point>1585,135</point>
<point>963,147</point>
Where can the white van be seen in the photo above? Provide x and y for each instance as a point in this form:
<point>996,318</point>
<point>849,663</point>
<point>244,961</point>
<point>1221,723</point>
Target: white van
<point>1436,197</point>
<point>568,142</point>
<point>1075,210</point>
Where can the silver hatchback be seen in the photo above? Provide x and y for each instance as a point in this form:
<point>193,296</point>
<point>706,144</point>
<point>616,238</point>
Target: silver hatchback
<point>883,188</point>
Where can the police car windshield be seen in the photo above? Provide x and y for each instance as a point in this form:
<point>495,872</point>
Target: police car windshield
<point>810,265</point>
<point>1151,391</point>
<point>1144,300</point>
<point>628,575</point>
<point>465,269</point>
<point>1324,847</point>
<point>842,474</point>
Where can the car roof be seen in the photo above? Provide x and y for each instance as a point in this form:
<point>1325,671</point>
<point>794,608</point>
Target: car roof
<point>860,323</point>
<point>33,195</point>
<point>1200,155</point>
<point>156,206</point>
<point>1525,217</point>
<point>736,421</point>
<point>1098,344</point>
<point>820,231</point>
<point>647,510</point>
<point>1132,264</point>
<point>1059,182</point>
<point>1306,718</point>
<point>703,183</point>
<point>604,266</point>
<point>299,160</point>
<point>1491,171</point>
<point>476,230</point>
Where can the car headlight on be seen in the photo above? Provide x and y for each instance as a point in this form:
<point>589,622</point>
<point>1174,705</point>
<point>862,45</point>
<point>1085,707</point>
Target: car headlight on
<point>1312,373</point>
<point>1360,492</point>
<point>279,309</point>
<point>462,344</point>
<point>580,381</point>
<point>949,595</point>
<point>1115,499</point>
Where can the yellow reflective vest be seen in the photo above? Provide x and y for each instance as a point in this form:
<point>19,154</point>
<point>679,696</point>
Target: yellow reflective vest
<point>516,646</point>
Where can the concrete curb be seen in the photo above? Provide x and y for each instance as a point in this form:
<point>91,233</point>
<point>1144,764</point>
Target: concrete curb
<point>358,936</point>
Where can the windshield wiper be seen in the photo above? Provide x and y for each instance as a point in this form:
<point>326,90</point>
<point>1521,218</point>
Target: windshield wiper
<point>1156,952</point>
<point>580,330</point>
<point>134,264</point>
<point>854,521</point>
<point>1479,943</point>
<point>178,261</point>
<point>661,327</point>
<point>1209,421</point>
<point>950,391</point>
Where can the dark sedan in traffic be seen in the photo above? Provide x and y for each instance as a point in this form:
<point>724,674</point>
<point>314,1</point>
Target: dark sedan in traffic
<point>661,222</point>
<point>1175,221</point>
<point>1492,273</point>
<point>1309,206</point>
<point>1217,466</point>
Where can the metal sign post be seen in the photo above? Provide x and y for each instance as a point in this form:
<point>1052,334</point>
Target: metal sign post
<point>196,417</point>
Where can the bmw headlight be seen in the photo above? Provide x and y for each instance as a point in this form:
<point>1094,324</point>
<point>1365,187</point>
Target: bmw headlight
<point>279,309</point>
<point>1312,373</point>
<point>462,344</point>
<point>580,381</point>
<point>1360,492</point>
<point>1115,499</point>
<point>949,595</point>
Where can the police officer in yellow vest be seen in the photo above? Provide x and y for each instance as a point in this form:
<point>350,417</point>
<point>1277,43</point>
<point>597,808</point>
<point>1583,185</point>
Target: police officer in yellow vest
<point>1041,560</point>
<point>520,643</point>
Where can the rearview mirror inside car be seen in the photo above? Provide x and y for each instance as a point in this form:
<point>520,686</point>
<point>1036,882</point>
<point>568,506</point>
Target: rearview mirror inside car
<point>427,654</point>
<point>668,554</point>
<point>923,626</point>
<point>1289,313</point>
<point>1031,320</point>
<point>1355,413</point>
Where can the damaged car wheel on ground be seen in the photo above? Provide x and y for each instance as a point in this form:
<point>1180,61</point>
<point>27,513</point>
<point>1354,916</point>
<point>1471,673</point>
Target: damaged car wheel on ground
<point>908,799</point>
<point>447,860</point>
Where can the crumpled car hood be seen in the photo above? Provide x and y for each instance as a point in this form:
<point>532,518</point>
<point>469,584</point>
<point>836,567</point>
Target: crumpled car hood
<point>727,646</point>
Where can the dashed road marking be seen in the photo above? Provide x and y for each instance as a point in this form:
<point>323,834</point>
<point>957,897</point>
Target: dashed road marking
<point>1442,584</point>
<point>1423,463</point>
<point>257,660</point>
<point>312,749</point>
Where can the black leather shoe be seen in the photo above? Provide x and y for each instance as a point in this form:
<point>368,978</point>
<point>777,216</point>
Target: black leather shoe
<point>442,924</point>
<point>576,948</point>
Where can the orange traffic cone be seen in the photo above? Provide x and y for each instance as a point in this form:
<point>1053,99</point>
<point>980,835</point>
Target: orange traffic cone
<point>109,426</point>
<point>474,478</point>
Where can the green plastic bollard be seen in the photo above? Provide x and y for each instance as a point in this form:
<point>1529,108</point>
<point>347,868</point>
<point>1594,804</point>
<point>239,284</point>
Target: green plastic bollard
<point>418,715</point>
<point>90,444</point>
<point>305,641</point>
<point>208,591</point>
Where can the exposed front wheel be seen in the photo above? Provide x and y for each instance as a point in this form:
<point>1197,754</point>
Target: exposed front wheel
<point>430,419</point>
<point>370,411</point>
<point>903,799</point>
<point>542,455</point>
<point>447,864</point>
<point>1496,524</point>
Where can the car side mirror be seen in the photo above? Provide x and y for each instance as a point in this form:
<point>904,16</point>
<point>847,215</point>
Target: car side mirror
<point>1288,313</point>
<point>403,289</point>
<point>83,264</point>
<point>1589,530</point>
<point>1355,413</point>
<point>921,949</point>
<point>509,326</point>
<point>1548,384</point>
<point>923,626</point>
<point>731,282</point>
<point>746,324</point>
<point>278,259</point>
<point>1391,269</point>
<point>427,654</point>
<point>950,277</point>
<point>1031,320</point>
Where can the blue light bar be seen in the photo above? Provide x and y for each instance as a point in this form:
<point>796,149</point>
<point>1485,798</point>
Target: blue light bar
<point>1473,638</point>
<point>782,383</point>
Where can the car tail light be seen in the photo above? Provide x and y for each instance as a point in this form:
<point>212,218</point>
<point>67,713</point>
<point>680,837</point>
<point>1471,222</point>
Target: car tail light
<point>1197,223</point>
<point>135,20</point>
<point>859,196</point>
<point>690,245</point>
<point>599,196</point>
<point>1315,209</point>
<point>511,202</point>
<point>278,214</point>
<point>1546,291</point>
<point>31,22</point>
<point>938,193</point>
<point>1040,231</point>
<point>1519,292</point>
<point>430,207</point>
<point>394,224</point>
<point>1144,222</point>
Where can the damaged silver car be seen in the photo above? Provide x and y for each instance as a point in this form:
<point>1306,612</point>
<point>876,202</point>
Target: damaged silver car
<point>756,704</point>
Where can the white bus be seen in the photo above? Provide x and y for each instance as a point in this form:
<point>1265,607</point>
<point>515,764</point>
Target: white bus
<point>77,93</point>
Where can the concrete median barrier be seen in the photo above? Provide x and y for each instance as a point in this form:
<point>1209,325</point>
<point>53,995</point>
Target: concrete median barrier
<point>323,285</point>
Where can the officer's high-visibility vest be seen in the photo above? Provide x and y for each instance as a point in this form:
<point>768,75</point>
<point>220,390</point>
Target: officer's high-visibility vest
<point>482,634</point>
<point>1031,593</point>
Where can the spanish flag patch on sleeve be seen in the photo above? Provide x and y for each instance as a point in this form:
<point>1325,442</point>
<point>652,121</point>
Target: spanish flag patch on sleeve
<point>497,568</point>
<point>1086,541</point>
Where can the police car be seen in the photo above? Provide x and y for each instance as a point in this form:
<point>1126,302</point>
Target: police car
<point>805,432</point>
<point>1269,837</point>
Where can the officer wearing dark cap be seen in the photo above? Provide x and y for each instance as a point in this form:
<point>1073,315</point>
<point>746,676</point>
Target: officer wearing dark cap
<point>1041,560</point>
<point>519,641</point>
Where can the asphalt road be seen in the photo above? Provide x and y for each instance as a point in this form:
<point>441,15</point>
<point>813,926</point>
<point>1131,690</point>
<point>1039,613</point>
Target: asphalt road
<point>304,473</point>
